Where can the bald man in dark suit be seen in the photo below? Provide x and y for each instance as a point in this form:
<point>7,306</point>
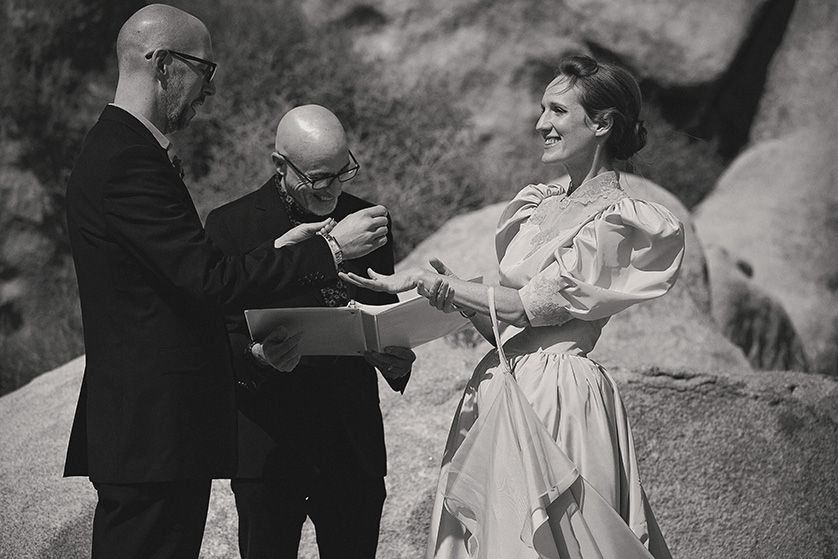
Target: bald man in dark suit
<point>311,441</point>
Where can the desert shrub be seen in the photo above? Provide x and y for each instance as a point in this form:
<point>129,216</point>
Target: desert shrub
<point>51,49</point>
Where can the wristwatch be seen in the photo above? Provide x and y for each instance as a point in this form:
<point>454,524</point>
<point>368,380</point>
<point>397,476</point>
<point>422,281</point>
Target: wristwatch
<point>337,252</point>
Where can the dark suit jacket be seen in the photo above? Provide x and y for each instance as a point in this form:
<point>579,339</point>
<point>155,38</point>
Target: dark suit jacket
<point>157,400</point>
<point>324,415</point>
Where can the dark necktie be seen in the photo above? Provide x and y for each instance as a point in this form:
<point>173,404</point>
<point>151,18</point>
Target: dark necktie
<point>176,163</point>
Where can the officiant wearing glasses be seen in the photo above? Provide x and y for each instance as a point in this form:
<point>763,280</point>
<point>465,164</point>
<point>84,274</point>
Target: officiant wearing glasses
<point>311,441</point>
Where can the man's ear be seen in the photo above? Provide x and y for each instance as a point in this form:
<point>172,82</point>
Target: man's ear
<point>161,59</point>
<point>279,163</point>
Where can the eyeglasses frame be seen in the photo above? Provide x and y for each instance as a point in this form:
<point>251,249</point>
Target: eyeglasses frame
<point>313,184</point>
<point>209,71</point>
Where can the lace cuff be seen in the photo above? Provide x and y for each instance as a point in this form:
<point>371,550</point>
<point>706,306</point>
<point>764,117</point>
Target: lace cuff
<point>544,303</point>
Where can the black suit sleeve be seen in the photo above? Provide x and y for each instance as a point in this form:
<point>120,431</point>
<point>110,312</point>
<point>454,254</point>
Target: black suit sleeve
<point>150,214</point>
<point>246,371</point>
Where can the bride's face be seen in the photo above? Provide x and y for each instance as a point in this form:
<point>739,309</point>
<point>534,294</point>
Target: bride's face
<point>569,135</point>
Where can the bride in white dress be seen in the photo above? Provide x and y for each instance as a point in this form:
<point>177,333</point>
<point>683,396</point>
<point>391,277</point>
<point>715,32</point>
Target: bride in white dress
<point>540,460</point>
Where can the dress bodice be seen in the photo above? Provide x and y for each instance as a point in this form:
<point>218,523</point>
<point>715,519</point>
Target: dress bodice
<point>577,259</point>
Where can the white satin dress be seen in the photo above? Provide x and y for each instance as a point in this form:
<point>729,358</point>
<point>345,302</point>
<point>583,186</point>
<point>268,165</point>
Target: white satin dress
<point>540,460</point>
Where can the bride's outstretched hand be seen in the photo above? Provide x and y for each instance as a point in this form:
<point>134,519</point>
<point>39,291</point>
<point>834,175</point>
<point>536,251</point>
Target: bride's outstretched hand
<point>438,292</point>
<point>403,280</point>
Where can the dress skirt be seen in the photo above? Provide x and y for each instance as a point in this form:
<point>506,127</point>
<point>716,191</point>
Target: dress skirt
<point>540,462</point>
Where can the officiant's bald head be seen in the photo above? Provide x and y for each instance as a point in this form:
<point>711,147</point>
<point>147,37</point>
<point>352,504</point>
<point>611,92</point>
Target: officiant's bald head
<point>312,157</point>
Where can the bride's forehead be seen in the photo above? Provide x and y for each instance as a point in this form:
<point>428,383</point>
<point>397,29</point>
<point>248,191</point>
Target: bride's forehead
<point>559,85</point>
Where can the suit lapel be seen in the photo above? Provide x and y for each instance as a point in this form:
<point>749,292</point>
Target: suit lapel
<point>271,215</point>
<point>125,118</point>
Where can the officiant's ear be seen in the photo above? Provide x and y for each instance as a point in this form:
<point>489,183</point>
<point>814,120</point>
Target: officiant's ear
<point>279,163</point>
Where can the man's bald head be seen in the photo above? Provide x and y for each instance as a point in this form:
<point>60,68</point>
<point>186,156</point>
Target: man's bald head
<point>311,139</point>
<point>310,132</point>
<point>159,26</point>
<point>157,77</point>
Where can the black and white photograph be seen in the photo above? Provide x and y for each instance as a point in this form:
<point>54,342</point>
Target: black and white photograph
<point>419,279</point>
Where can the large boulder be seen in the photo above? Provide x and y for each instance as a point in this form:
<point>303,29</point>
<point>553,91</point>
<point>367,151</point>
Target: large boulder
<point>775,208</point>
<point>681,43</point>
<point>803,75</point>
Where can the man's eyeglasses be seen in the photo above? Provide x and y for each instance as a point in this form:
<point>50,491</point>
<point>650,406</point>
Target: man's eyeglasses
<point>347,173</point>
<point>209,66</point>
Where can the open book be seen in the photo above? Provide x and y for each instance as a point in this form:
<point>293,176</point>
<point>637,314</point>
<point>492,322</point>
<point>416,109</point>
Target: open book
<point>356,328</point>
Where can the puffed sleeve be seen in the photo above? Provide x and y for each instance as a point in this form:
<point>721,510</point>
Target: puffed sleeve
<point>630,253</point>
<point>519,210</point>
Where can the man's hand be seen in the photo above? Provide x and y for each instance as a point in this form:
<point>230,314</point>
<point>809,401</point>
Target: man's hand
<point>395,362</point>
<point>361,232</point>
<point>279,350</point>
<point>304,231</point>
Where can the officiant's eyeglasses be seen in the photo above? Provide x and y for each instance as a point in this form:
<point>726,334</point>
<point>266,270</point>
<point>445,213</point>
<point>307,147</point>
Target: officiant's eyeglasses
<point>209,66</point>
<point>347,173</point>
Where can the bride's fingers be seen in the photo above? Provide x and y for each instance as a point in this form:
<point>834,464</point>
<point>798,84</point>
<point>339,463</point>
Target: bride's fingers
<point>353,278</point>
<point>433,291</point>
<point>443,296</point>
<point>374,275</point>
<point>440,267</point>
<point>448,302</point>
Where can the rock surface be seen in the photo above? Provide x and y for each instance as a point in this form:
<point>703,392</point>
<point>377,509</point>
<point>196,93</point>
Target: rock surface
<point>750,318</point>
<point>737,464</point>
<point>677,43</point>
<point>775,208</point>
<point>803,75</point>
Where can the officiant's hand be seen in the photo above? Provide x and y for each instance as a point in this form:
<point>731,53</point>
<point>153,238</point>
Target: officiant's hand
<point>279,350</point>
<point>362,232</point>
<point>304,231</point>
<point>394,363</point>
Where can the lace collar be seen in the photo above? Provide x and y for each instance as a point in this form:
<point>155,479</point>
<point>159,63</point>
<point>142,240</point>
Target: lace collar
<point>563,211</point>
<point>594,188</point>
